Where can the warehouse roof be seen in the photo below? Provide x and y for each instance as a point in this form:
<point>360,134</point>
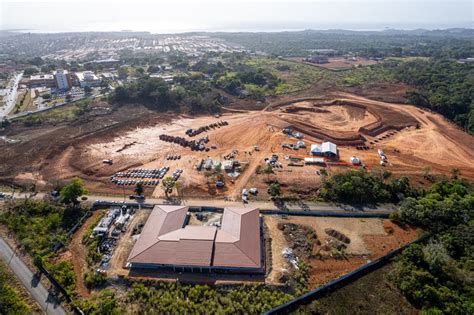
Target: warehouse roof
<point>164,240</point>
<point>329,147</point>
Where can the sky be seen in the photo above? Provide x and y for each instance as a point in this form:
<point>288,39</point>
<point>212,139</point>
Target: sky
<point>174,16</point>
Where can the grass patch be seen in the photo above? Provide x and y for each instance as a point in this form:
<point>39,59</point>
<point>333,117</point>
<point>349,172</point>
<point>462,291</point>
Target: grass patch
<point>64,113</point>
<point>365,76</point>
<point>295,76</point>
<point>371,294</point>
<point>24,102</point>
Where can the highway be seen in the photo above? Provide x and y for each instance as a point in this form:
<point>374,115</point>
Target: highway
<point>11,97</point>
<point>47,301</point>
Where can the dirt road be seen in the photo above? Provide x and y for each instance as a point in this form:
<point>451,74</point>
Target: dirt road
<point>79,252</point>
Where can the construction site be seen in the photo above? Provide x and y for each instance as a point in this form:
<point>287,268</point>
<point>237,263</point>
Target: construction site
<point>232,158</point>
<point>238,143</point>
<point>151,243</point>
<point>329,246</point>
<point>210,156</point>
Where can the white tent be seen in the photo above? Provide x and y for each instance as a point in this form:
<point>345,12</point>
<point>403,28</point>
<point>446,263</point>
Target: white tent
<point>329,148</point>
<point>316,149</point>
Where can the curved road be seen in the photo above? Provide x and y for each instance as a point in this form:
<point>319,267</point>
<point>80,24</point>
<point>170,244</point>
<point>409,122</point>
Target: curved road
<point>46,300</point>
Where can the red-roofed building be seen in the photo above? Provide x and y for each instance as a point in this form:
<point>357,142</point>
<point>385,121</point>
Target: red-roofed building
<point>167,242</point>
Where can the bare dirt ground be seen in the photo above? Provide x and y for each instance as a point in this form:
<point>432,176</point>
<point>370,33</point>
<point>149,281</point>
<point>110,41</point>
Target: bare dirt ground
<point>125,244</point>
<point>76,253</point>
<point>130,138</point>
<point>369,239</point>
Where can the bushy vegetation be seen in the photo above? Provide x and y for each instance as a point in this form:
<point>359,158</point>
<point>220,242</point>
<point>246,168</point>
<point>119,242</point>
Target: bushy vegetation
<point>257,82</point>
<point>39,225</point>
<point>300,278</point>
<point>365,76</point>
<point>94,279</point>
<point>293,76</point>
<point>10,300</point>
<point>446,204</point>
<point>363,187</point>
<point>190,93</point>
<point>444,86</point>
<point>92,243</point>
<point>105,303</point>
<point>61,114</point>
<point>176,298</point>
<point>437,277</point>
<point>63,272</point>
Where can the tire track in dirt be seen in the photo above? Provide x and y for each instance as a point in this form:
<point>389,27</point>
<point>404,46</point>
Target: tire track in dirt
<point>79,253</point>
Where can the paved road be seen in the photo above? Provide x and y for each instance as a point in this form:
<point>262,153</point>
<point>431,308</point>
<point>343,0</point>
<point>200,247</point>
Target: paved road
<point>11,97</point>
<point>29,281</point>
<point>264,205</point>
<point>45,109</point>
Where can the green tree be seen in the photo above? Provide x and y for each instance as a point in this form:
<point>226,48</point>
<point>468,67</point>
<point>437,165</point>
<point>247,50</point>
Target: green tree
<point>168,183</point>
<point>268,170</point>
<point>72,191</point>
<point>139,188</point>
<point>274,189</point>
<point>30,71</point>
<point>122,73</point>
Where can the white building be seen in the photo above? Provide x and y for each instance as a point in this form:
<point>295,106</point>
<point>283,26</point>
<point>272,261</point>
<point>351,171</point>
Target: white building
<point>62,82</point>
<point>316,149</point>
<point>329,149</point>
<point>87,78</point>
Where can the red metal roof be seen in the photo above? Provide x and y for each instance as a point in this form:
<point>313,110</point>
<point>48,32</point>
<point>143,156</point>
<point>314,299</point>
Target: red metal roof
<point>165,241</point>
<point>238,241</point>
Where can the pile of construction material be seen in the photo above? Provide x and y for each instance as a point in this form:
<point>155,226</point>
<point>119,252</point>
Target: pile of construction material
<point>194,132</point>
<point>195,145</point>
<point>231,155</point>
<point>337,235</point>
<point>273,161</point>
<point>383,157</point>
<point>288,254</point>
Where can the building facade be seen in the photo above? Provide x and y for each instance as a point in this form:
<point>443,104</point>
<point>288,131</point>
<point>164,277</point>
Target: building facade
<point>167,242</point>
<point>62,80</point>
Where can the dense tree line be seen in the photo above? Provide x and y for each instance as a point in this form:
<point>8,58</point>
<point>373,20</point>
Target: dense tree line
<point>253,80</point>
<point>438,276</point>
<point>38,224</point>
<point>438,43</point>
<point>190,93</point>
<point>444,86</point>
<point>363,187</point>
